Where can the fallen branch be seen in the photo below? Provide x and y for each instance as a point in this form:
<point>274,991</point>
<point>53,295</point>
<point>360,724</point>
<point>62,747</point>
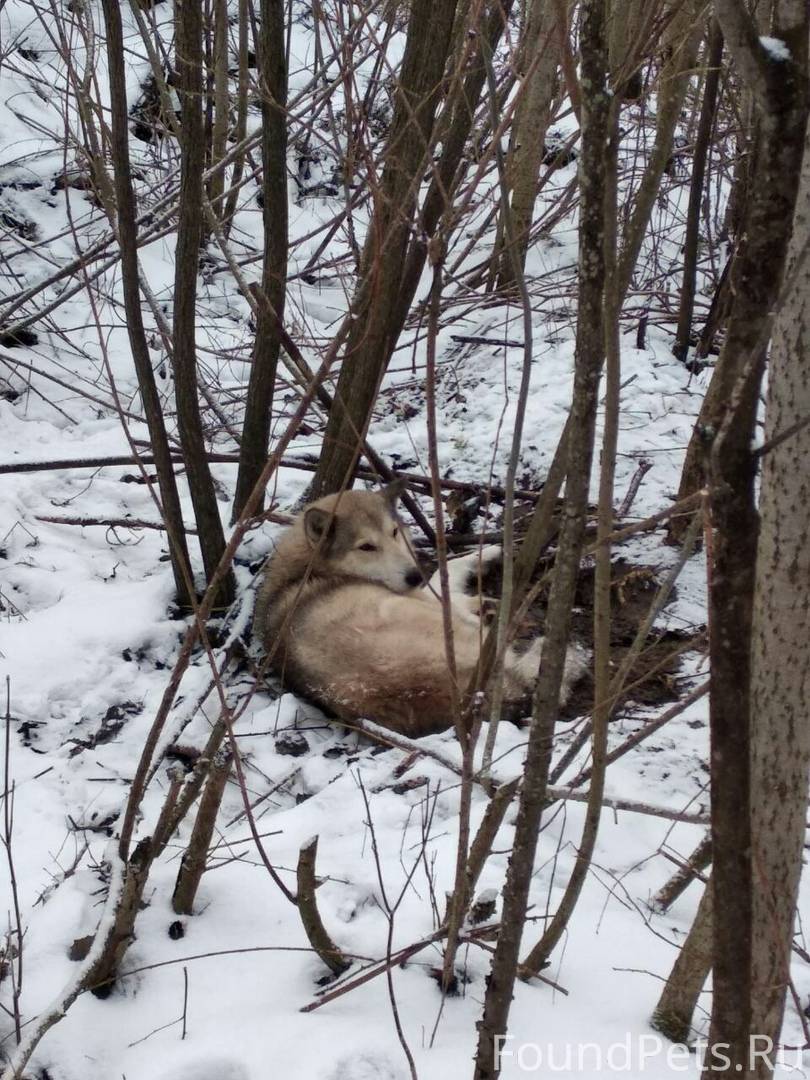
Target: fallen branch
<point>308,909</point>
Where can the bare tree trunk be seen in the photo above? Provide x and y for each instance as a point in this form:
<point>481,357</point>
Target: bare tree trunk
<point>679,44</point>
<point>189,236</point>
<point>128,241</point>
<point>541,57</point>
<point>192,865</point>
<point>219,131</point>
<point>240,128</point>
<point>588,364</point>
<point>714,56</point>
<point>259,404</point>
<point>626,24</point>
<point>454,143</point>
<point>373,333</point>
<point>676,1006</point>
<point>603,699</point>
<point>780,675</point>
<point>779,83</point>
<point>697,862</point>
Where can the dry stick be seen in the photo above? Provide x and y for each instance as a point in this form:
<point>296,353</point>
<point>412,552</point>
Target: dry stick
<point>648,729</point>
<point>207,600</point>
<point>192,786</point>
<point>152,223</point>
<point>408,148</point>
<point>466,736</point>
<point>107,523</point>
<point>642,470</point>
<point>13,362</point>
<point>487,831</point>
<point>189,84</point>
<point>554,793</point>
<point>54,1012</point>
<point>394,960</point>
<point>362,473</point>
<point>16,964</point>
<point>519,278</point>
<point>631,805</point>
<point>267,344</point>
<point>687,872</point>
<point>240,128</point>
<point>118,934</point>
<point>308,909</point>
<point>301,372</point>
<point>126,229</point>
<point>589,352</point>
<point>192,865</point>
<point>676,1005</point>
<point>714,57</point>
<point>390,912</point>
<point>538,956</point>
<point>617,685</point>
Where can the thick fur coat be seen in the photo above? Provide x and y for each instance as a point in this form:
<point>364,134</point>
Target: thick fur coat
<point>344,618</point>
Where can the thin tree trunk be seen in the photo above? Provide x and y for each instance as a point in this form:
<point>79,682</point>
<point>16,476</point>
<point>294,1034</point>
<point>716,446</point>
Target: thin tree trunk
<point>189,236</point>
<point>676,1006</point>
<point>780,676</point>
<point>128,241</point>
<point>589,356</point>
<point>454,143</point>
<point>527,141</point>
<point>603,700</point>
<point>240,127</point>
<point>219,132</point>
<point>697,862</point>
<point>714,56</point>
<point>680,44</point>
<point>780,88</point>
<point>374,329</point>
<point>192,865</point>
<point>259,404</point>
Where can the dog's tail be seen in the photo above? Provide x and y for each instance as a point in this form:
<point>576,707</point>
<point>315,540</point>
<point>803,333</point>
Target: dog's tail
<point>463,572</point>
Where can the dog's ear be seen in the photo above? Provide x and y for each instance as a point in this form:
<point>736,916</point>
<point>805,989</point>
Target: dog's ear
<point>319,527</point>
<point>393,492</point>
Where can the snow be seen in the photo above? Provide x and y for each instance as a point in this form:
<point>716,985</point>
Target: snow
<point>87,625</point>
<point>775,48</point>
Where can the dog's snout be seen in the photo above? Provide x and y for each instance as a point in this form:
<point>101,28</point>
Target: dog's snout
<point>413,578</point>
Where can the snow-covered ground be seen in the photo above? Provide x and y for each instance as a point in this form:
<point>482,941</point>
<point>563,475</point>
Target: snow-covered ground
<point>88,638</point>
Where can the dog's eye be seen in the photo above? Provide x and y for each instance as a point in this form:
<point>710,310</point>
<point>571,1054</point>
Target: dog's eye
<point>366,547</point>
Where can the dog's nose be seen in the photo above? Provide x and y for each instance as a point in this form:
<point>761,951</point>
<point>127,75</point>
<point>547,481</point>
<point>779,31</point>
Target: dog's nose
<point>413,578</point>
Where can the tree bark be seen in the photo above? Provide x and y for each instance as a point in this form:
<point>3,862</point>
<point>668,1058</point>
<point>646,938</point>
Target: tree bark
<point>680,43</point>
<point>714,56</point>
<point>676,1006</point>
<point>128,241</point>
<point>780,86</point>
<point>527,143</point>
<point>222,106</point>
<point>188,18</point>
<point>588,364</point>
<point>373,333</point>
<point>780,675</point>
<point>192,865</point>
<point>454,143</point>
<point>259,403</point>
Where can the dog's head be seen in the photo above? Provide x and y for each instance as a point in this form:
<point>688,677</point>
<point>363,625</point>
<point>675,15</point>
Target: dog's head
<point>358,533</point>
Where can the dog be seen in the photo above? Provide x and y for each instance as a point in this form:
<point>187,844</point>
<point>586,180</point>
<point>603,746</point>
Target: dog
<point>345,619</point>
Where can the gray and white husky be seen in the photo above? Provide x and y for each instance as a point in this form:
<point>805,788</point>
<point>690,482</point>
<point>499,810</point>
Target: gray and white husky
<point>343,615</point>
